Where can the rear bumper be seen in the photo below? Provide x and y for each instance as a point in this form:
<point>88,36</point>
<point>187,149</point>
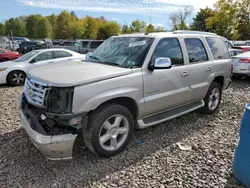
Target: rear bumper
<point>54,147</point>
<point>247,74</point>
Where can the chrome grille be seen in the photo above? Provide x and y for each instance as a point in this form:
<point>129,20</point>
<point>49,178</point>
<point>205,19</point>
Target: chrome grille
<point>35,92</point>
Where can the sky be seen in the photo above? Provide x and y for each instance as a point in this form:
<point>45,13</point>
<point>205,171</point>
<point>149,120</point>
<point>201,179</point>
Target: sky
<point>122,11</point>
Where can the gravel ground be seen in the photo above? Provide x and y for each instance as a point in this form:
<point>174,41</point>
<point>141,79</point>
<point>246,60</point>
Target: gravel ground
<point>153,158</point>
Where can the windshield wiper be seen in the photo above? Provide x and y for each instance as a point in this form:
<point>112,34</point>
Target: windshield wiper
<point>93,57</point>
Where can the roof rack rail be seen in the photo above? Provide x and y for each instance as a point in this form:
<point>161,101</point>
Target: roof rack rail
<point>193,32</point>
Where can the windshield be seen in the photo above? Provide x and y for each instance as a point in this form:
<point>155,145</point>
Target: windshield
<point>26,57</point>
<point>122,51</point>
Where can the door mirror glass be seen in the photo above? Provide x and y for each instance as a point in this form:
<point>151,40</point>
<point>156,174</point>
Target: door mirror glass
<point>162,63</point>
<point>33,60</point>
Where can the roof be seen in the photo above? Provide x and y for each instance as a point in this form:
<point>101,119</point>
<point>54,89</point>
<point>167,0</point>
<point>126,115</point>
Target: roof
<point>54,49</point>
<point>166,34</point>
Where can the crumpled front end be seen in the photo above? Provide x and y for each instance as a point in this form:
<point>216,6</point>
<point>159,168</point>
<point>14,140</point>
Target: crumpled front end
<point>55,143</point>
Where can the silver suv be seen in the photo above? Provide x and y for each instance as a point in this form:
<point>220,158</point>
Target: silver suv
<point>130,81</point>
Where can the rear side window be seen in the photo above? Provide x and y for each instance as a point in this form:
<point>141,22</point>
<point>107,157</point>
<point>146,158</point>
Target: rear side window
<point>85,44</point>
<point>169,48</point>
<point>62,54</point>
<point>218,48</point>
<point>196,50</point>
<point>95,44</point>
<point>2,51</point>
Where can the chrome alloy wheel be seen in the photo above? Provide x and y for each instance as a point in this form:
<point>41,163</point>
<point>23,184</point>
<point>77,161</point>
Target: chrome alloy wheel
<point>114,132</point>
<point>214,99</point>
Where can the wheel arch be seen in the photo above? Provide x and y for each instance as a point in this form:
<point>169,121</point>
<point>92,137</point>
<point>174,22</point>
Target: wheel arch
<point>220,80</point>
<point>16,70</point>
<point>127,102</point>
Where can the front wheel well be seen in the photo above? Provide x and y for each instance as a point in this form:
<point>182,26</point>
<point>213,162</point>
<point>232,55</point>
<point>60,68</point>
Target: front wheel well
<point>220,80</point>
<point>127,102</point>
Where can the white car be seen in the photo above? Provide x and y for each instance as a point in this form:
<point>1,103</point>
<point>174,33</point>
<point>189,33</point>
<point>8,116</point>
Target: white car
<point>14,72</point>
<point>241,64</point>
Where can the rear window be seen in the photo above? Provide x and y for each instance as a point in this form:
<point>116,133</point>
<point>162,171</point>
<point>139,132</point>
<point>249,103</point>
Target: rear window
<point>218,48</point>
<point>95,44</point>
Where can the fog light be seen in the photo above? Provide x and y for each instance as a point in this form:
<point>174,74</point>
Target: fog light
<point>75,121</point>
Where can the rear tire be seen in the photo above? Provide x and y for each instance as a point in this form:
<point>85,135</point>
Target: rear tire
<point>109,130</point>
<point>212,99</point>
<point>16,78</point>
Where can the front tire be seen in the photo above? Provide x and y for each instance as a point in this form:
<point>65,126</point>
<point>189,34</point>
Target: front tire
<point>16,78</point>
<point>212,99</point>
<point>109,130</point>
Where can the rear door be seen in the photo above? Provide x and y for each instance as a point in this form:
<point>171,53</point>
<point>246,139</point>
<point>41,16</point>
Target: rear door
<point>200,67</point>
<point>61,56</point>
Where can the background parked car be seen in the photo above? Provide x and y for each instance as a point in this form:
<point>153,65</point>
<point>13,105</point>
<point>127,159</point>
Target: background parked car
<point>241,64</point>
<point>80,46</point>
<point>14,72</point>
<point>234,52</point>
<point>6,55</point>
<point>27,46</point>
<point>243,48</point>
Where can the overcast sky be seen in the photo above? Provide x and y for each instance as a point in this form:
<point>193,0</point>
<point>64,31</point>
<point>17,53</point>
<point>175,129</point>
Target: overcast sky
<point>123,11</point>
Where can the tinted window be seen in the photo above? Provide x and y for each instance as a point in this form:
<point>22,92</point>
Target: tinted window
<point>85,44</point>
<point>95,44</point>
<point>170,48</point>
<point>44,56</point>
<point>2,51</point>
<point>62,54</point>
<point>196,50</point>
<point>218,48</point>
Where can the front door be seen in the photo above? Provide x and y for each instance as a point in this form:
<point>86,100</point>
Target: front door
<point>166,88</point>
<point>42,59</point>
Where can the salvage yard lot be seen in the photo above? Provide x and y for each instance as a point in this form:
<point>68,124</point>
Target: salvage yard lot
<point>152,159</point>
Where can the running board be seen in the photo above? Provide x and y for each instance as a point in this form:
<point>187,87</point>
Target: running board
<point>170,114</point>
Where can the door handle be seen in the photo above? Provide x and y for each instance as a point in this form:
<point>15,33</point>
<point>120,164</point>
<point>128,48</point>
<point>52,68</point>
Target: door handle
<point>208,69</point>
<point>184,73</point>
<point>51,62</point>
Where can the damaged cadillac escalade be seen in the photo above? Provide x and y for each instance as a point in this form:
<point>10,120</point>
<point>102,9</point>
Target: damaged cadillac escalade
<point>130,81</point>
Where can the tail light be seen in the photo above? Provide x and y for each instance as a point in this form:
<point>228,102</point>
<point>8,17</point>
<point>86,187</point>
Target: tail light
<point>245,60</point>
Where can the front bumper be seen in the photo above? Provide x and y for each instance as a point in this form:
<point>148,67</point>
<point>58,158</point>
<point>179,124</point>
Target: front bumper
<point>3,77</point>
<point>54,147</point>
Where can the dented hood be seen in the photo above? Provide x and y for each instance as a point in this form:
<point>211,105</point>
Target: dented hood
<point>76,73</point>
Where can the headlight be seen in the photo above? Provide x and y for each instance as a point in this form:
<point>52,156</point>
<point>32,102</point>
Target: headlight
<point>2,69</point>
<point>59,100</point>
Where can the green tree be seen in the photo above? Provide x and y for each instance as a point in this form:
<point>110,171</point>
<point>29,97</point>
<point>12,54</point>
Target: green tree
<point>243,25</point>
<point>178,18</point>
<point>52,19</point>
<point>72,13</point>
<point>150,28</point>
<point>32,25</point>
<point>108,29</point>
<point>16,26</point>
<point>90,27</point>
<point>224,20</point>
<point>65,26</point>
<point>160,29</point>
<point>138,26</point>
<point>201,18</point>
<point>126,29</point>
<point>44,28</point>
<point>2,29</point>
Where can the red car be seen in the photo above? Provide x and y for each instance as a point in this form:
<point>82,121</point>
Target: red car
<point>6,55</point>
<point>242,48</point>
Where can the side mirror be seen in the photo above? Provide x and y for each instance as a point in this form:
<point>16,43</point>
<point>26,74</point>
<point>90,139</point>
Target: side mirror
<point>88,54</point>
<point>161,63</point>
<point>33,61</point>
